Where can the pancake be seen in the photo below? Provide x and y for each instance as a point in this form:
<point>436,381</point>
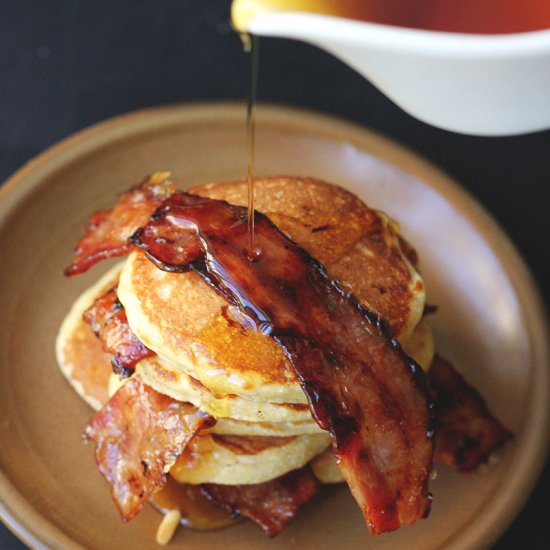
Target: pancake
<point>325,469</point>
<point>197,333</point>
<point>421,346</point>
<point>228,426</point>
<point>233,426</point>
<point>233,460</point>
<point>183,387</point>
<point>191,329</point>
<point>79,355</point>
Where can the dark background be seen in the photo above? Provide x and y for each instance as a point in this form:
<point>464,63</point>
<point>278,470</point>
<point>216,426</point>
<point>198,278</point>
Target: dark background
<point>65,64</point>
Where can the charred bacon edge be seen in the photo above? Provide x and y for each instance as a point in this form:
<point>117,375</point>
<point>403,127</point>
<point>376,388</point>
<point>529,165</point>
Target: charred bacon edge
<point>466,432</point>
<point>150,192</point>
<point>107,320</point>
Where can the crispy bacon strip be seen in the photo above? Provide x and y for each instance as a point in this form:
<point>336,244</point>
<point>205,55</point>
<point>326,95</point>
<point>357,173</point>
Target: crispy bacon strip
<point>273,504</point>
<point>106,235</point>
<point>465,431</point>
<point>107,318</point>
<point>139,434</point>
<point>361,387</point>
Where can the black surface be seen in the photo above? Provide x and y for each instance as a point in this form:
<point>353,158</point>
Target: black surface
<point>67,64</point>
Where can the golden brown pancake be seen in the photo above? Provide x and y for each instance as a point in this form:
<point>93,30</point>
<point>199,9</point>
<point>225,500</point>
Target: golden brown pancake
<point>228,426</point>
<point>181,386</point>
<point>420,345</point>
<point>189,326</point>
<point>325,468</point>
<point>235,460</point>
<point>193,329</point>
<point>78,351</point>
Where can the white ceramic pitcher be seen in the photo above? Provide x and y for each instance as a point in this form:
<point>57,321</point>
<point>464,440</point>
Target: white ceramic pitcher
<point>468,83</point>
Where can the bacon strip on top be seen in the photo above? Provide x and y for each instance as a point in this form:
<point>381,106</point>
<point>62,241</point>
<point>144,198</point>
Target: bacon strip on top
<point>272,504</point>
<point>139,434</point>
<point>465,431</point>
<point>106,235</point>
<point>107,318</point>
<point>361,387</point>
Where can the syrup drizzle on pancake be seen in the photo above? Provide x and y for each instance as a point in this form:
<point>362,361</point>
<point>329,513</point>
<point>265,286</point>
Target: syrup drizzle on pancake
<point>252,47</point>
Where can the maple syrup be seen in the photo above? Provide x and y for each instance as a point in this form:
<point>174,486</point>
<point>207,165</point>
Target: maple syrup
<point>197,512</point>
<point>251,45</point>
<point>463,16</point>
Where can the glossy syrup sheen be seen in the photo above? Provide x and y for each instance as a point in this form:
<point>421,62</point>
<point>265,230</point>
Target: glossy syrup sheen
<point>197,512</point>
<point>251,136</point>
<point>464,16</point>
<point>251,46</point>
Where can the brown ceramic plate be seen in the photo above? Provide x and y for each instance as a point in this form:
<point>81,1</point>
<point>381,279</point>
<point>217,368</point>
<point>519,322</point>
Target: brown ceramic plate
<point>490,322</point>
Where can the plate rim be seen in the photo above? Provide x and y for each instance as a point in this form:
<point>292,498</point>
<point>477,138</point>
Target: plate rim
<point>36,531</point>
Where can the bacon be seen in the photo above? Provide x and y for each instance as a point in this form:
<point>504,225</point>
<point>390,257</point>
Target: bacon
<point>106,235</point>
<point>360,385</point>
<point>107,318</point>
<point>465,431</point>
<point>139,434</point>
<point>272,504</point>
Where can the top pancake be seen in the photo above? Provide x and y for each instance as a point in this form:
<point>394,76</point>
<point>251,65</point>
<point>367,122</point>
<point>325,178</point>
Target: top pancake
<point>193,329</point>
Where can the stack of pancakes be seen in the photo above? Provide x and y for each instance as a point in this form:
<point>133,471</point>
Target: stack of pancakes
<point>206,356</point>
